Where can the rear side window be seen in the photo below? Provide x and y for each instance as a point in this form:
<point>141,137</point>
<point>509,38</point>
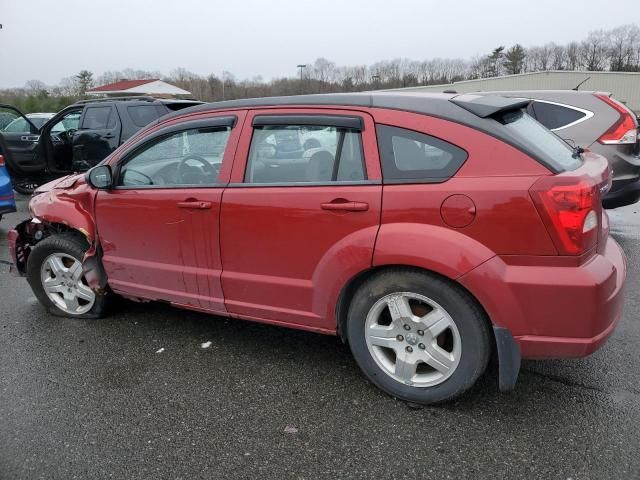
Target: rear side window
<point>304,154</point>
<point>555,116</point>
<point>142,115</point>
<point>409,156</point>
<point>96,118</point>
<point>556,151</point>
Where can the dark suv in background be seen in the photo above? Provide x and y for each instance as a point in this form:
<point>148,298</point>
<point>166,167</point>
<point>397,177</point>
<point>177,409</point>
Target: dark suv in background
<point>78,137</point>
<point>596,121</point>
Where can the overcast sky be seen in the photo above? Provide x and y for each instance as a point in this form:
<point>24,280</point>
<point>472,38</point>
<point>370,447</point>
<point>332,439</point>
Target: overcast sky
<point>51,39</point>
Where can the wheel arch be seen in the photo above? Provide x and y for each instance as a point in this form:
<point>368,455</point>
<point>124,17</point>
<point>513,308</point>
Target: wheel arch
<point>349,289</point>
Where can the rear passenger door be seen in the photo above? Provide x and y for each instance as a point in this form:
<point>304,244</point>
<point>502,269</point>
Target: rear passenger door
<point>97,137</point>
<point>300,215</point>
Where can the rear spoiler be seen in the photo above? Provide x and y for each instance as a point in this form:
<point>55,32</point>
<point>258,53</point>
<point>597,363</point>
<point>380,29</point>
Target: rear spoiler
<point>487,105</point>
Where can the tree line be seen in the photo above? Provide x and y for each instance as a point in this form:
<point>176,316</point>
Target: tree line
<point>613,50</point>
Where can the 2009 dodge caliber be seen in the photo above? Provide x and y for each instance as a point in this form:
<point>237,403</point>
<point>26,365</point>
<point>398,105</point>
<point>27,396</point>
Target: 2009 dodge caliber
<point>428,231</point>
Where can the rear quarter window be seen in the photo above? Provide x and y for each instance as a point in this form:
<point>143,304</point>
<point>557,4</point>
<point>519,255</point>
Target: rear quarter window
<point>412,157</point>
<point>555,116</point>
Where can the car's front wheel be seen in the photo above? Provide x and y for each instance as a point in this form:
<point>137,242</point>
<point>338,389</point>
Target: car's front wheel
<point>418,336</point>
<point>54,271</point>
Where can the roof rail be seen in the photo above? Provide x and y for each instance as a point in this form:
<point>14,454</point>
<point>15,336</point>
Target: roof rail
<point>140,98</point>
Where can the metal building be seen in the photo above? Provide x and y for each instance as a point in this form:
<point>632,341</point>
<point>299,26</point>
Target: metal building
<point>625,86</point>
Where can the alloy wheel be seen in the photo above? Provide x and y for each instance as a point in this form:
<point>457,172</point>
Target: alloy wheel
<point>64,284</point>
<point>413,339</point>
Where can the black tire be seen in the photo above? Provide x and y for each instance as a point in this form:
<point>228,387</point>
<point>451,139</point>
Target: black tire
<point>70,244</point>
<point>467,315</point>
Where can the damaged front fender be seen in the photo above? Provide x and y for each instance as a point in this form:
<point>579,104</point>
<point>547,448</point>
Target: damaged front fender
<point>65,205</point>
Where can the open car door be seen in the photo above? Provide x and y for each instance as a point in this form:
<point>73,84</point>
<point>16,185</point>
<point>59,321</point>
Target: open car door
<point>19,139</point>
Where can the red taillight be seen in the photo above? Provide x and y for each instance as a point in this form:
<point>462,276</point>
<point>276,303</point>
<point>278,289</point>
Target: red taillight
<point>571,213</point>
<point>1,161</point>
<point>625,130</point>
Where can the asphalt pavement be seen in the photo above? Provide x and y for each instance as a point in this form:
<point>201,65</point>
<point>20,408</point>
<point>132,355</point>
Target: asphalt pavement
<point>157,392</point>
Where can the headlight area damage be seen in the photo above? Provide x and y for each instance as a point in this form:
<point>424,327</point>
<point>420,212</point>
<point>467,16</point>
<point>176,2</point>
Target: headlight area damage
<point>64,205</point>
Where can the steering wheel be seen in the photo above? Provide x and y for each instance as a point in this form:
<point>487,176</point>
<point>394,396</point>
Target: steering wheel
<point>208,169</point>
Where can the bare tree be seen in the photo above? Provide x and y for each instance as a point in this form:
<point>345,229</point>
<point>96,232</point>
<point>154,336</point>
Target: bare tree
<point>622,47</point>
<point>572,53</point>
<point>593,51</point>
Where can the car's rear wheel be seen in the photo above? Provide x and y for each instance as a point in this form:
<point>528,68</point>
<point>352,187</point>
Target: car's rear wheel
<point>54,271</point>
<point>418,336</point>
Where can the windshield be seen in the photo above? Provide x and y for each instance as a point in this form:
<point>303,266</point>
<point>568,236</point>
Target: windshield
<point>523,126</point>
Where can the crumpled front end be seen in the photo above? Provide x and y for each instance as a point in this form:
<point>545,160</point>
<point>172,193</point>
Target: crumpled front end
<point>64,205</point>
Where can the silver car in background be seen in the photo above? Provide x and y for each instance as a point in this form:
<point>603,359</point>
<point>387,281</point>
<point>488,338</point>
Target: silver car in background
<point>594,121</point>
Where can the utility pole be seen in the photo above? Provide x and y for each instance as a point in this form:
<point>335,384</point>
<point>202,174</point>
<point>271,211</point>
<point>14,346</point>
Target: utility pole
<point>301,66</point>
<point>223,85</point>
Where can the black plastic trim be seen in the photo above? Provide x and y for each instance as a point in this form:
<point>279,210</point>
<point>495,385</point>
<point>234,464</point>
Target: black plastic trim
<point>337,183</point>
<point>169,187</point>
<point>509,359</point>
<point>338,121</point>
<point>489,105</point>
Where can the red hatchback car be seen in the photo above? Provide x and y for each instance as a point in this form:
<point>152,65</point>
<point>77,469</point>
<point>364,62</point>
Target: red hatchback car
<point>427,231</point>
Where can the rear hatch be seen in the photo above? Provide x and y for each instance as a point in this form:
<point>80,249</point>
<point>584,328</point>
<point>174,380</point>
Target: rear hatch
<point>569,201</point>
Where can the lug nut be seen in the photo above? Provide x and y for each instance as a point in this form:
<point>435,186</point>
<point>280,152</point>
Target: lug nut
<point>420,332</point>
<point>409,349</point>
<point>400,338</point>
<point>421,346</point>
<point>407,327</point>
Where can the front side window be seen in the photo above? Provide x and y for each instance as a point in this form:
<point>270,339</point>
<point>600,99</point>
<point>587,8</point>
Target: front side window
<point>304,154</point>
<point>409,156</point>
<point>189,157</point>
<point>70,121</point>
<point>96,118</point>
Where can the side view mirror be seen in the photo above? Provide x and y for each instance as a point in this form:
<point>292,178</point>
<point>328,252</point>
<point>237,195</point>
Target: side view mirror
<point>100,177</point>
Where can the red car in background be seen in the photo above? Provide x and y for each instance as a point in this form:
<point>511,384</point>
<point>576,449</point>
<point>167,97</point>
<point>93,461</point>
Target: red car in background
<point>427,231</point>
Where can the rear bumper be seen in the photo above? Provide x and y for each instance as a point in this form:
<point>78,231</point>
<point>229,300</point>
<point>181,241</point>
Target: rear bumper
<point>553,311</point>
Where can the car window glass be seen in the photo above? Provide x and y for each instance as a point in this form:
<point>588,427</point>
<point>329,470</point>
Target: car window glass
<point>142,115</point>
<point>96,118</point>
<point>412,156</point>
<point>188,157</point>
<point>308,154</point>
<point>18,125</point>
<point>69,122</point>
<point>555,116</point>
<point>538,138</point>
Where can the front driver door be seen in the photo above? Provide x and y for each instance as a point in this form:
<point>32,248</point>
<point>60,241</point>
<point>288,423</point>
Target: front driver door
<point>97,137</point>
<point>158,225</point>
<point>19,142</point>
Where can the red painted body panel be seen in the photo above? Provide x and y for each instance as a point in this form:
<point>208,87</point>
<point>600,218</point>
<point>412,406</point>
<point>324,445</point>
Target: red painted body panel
<point>67,201</point>
<point>155,250</point>
<point>553,310</point>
